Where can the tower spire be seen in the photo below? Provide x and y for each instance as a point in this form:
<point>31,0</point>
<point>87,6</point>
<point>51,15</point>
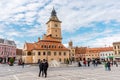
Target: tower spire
<point>53,16</point>
<point>53,13</point>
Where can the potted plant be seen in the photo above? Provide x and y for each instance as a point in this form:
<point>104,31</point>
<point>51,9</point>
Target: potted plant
<point>11,61</point>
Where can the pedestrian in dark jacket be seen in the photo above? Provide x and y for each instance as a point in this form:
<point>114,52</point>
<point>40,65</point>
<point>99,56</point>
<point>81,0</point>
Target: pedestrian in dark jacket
<point>45,67</point>
<point>23,64</point>
<point>115,63</point>
<point>41,68</point>
<point>108,65</point>
<point>79,64</point>
<point>88,62</point>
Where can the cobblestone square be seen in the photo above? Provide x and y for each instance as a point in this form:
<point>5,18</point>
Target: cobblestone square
<point>59,73</point>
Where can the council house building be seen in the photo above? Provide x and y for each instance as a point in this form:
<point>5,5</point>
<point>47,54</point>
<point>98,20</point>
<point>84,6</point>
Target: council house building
<point>50,47</point>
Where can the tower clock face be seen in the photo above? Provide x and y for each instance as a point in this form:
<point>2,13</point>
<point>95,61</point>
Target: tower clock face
<point>55,25</point>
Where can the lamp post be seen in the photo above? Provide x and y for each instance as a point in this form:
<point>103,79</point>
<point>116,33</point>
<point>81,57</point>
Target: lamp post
<point>5,54</point>
<point>47,53</point>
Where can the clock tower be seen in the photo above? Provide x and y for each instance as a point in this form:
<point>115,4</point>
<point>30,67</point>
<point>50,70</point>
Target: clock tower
<point>54,27</point>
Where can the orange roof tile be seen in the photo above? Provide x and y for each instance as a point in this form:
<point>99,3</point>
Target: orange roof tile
<point>46,45</point>
<point>85,50</point>
<point>80,50</point>
<point>49,38</point>
<point>97,50</point>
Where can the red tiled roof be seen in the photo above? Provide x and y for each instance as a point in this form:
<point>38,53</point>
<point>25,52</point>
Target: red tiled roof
<point>80,50</point>
<point>85,50</point>
<point>96,50</point>
<point>46,45</point>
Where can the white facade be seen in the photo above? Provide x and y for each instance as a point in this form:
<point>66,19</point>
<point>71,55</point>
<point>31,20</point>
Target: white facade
<point>107,54</point>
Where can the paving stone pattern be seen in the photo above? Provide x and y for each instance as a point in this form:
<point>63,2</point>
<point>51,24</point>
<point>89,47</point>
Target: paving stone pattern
<point>61,73</point>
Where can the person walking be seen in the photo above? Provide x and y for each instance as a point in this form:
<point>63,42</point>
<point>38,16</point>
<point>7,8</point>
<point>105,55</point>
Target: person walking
<point>108,65</point>
<point>115,63</point>
<point>93,62</point>
<point>45,67</point>
<point>96,62</point>
<point>88,62</point>
<point>79,64</point>
<point>23,64</point>
<point>40,68</point>
<point>84,62</point>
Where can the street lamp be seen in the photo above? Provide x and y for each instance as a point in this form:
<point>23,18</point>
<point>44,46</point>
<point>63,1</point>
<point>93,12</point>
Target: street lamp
<point>47,53</point>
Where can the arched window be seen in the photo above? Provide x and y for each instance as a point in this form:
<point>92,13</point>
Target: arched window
<point>29,53</point>
<point>45,46</point>
<point>55,25</point>
<point>55,53</point>
<point>64,53</point>
<point>64,60</point>
<point>49,53</point>
<point>59,46</point>
<point>60,59</point>
<point>52,46</point>
<point>44,53</point>
<point>41,46</point>
<point>60,53</point>
<point>38,53</point>
<point>49,46</point>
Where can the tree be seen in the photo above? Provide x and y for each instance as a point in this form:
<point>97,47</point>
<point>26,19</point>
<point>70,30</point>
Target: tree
<point>1,59</point>
<point>11,61</point>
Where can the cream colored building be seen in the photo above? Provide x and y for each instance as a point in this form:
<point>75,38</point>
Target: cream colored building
<point>72,50</point>
<point>50,47</point>
<point>116,48</point>
<point>94,53</point>
<point>107,55</point>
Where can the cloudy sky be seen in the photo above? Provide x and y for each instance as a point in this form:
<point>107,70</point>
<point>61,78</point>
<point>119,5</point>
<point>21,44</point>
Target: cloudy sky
<point>93,23</point>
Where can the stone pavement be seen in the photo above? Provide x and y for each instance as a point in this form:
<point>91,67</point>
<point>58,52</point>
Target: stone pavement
<point>61,73</point>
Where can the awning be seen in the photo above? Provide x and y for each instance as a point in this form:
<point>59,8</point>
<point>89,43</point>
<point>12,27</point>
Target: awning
<point>110,57</point>
<point>117,57</point>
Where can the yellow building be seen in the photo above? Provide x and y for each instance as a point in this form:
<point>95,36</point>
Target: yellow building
<point>85,53</point>
<point>94,53</point>
<point>116,48</point>
<point>50,47</point>
<point>72,51</point>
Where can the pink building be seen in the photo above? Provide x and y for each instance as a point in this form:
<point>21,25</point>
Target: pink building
<point>7,50</point>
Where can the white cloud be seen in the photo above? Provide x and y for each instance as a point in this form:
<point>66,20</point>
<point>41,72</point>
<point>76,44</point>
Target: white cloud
<point>105,41</point>
<point>96,39</point>
<point>19,44</point>
<point>74,15</point>
<point>88,11</point>
<point>2,28</point>
<point>66,45</point>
